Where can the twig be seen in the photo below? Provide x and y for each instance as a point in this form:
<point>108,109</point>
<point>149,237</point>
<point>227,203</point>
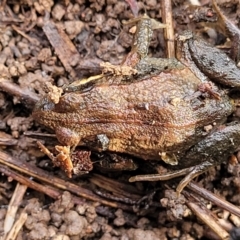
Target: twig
<point>46,189</point>
<point>214,198</point>
<point>62,45</point>
<point>17,226</point>
<point>169,30</point>
<point>30,183</point>
<point>26,96</point>
<point>13,206</point>
<point>33,41</point>
<point>39,135</point>
<point>56,182</point>
<point>203,214</point>
<point>117,187</point>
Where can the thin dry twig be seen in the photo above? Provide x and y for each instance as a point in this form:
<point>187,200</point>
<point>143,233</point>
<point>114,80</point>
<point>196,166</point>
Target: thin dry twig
<point>26,96</point>
<point>115,186</point>
<point>33,41</point>
<point>203,214</point>
<point>46,189</point>
<point>62,45</point>
<point>169,30</point>
<point>30,183</point>
<point>17,226</point>
<point>13,206</point>
<point>214,198</point>
<point>56,182</point>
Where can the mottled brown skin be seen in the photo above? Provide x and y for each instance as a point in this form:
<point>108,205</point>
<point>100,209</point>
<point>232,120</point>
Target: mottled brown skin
<point>159,113</point>
<point>143,118</point>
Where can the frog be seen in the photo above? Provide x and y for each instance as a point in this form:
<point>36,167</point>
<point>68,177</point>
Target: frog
<point>160,110</point>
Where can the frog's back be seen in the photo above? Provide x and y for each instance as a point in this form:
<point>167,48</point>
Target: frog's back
<point>145,118</point>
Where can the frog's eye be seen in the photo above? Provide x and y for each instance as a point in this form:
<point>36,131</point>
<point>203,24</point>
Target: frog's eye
<point>44,105</point>
<point>72,99</point>
<point>48,106</point>
<point>68,103</point>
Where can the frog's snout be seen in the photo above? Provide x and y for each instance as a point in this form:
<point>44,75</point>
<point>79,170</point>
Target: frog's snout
<point>45,104</point>
<point>41,108</point>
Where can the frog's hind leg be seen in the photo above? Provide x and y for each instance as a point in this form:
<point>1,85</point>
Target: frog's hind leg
<point>138,57</point>
<point>213,150</point>
<point>142,38</point>
<point>189,173</point>
<point>193,172</point>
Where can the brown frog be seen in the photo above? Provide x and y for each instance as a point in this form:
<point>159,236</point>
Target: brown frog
<point>158,112</point>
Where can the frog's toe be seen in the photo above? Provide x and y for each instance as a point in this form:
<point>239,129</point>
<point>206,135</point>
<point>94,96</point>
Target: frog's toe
<point>192,173</point>
<point>189,173</point>
<point>159,177</point>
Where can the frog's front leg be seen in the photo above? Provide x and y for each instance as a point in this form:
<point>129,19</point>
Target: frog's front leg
<point>213,150</point>
<point>63,159</point>
<point>67,137</point>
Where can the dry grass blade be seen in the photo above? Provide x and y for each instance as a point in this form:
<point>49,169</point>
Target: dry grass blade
<point>17,226</point>
<point>203,214</point>
<point>62,45</point>
<point>214,199</point>
<point>169,30</point>
<point>117,187</point>
<point>13,206</point>
<point>28,97</point>
<point>56,182</point>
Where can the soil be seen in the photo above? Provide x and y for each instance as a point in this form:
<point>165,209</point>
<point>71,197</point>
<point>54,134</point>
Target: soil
<point>34,54</point>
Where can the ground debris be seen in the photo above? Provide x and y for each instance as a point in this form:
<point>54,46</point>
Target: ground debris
<point>117,70</point>
<point>62,45</point>
<point>45,43</point>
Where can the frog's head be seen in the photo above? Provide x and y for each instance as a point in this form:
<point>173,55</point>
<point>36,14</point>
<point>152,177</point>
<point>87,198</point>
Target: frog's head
<point>45,104</point>
<point>42,110</point>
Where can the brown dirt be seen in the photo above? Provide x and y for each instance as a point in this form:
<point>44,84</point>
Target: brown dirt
<point>94,33</point>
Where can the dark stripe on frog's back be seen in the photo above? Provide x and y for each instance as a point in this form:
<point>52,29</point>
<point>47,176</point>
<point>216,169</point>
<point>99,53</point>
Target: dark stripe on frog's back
<point>157,126</point>
<point>121,102</point>
<point>145,132</point>
<point>157,90</point>
<point>120,112</point>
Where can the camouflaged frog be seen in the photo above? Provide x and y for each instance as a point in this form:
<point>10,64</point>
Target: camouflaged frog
<point>159,110</point>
